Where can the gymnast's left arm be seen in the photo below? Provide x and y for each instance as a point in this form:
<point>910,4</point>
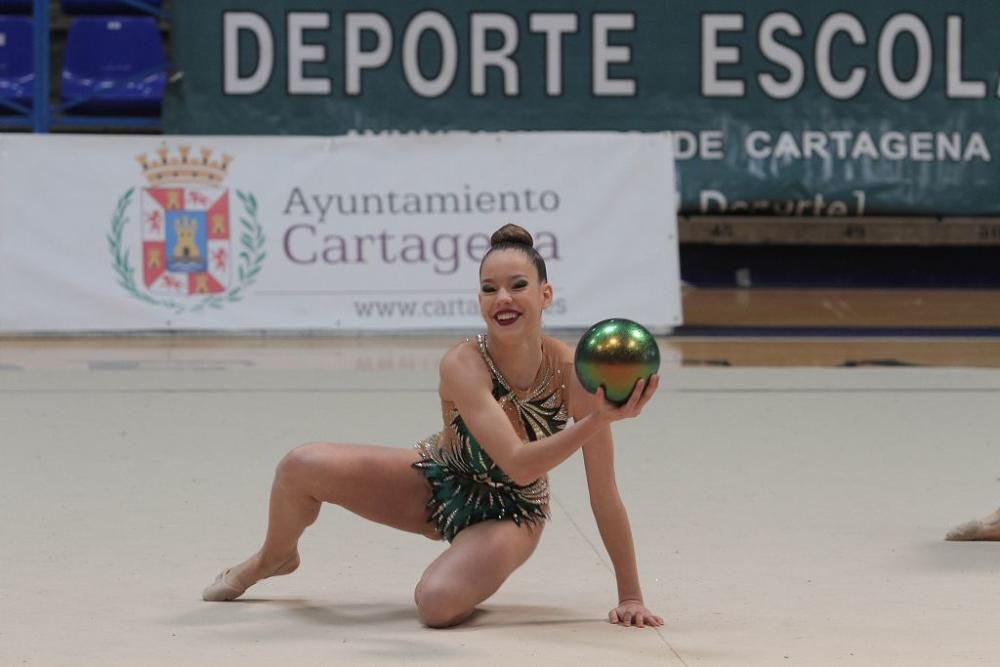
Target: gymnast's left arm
<point>606,503</point>
<point>612,522</point>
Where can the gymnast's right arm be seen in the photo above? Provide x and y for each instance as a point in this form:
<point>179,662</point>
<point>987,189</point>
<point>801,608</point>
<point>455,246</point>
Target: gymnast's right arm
<point>466,382</point>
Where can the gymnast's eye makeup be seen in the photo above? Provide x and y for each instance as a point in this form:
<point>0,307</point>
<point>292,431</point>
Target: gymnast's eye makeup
<point>487,289</point>
<point>520,283</point>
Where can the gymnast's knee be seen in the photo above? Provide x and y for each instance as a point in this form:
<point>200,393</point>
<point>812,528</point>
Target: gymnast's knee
<point>439,606</point>
<point>297,464</point>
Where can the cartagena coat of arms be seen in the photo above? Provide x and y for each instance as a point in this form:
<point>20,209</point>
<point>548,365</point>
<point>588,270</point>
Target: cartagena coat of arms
<point>195,251</point>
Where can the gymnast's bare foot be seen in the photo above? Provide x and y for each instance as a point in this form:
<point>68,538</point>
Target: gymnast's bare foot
<point>987,528</point>
<point>232,583</point>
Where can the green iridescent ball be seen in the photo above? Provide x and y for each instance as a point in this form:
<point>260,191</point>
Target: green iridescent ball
<point>615,354</point>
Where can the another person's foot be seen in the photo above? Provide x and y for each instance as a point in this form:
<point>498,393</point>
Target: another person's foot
<point>233,582</point>
<point>987,528</point>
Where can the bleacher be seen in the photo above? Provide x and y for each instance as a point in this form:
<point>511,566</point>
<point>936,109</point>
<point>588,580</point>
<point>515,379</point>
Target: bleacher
<point>77,65</point>
<point>17,74</point>
<point>15,6</point>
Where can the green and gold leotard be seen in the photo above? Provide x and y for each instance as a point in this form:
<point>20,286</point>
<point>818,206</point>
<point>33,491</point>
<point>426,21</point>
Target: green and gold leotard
<point>467,486</point>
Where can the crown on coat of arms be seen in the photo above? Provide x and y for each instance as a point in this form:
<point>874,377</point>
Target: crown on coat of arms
<point>184,168</point>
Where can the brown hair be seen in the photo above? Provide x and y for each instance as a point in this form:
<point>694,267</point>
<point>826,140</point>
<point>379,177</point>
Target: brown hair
<point>515,237</point>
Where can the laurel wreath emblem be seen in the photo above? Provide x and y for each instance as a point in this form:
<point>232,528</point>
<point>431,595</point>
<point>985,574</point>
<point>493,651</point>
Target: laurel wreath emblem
<point>252,256</point>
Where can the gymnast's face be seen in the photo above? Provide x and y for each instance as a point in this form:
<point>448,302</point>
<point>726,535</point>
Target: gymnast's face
<point>511,295</point>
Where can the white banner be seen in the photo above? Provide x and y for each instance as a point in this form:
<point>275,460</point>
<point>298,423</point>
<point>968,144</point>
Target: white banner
<point>380,233</point>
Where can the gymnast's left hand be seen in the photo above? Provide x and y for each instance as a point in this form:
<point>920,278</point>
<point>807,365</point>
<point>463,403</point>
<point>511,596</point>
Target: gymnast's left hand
<point>634,613</point>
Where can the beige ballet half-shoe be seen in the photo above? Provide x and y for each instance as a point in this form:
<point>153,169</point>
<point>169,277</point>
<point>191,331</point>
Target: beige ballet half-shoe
<point>226,587</point>
<point>976,530</point>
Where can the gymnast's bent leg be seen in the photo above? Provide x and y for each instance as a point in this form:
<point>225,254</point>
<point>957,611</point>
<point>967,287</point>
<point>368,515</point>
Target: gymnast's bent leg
<point>479,560</point>
<point>377,483</point>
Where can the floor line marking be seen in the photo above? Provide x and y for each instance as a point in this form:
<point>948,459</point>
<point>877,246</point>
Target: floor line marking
<point>607,566</point>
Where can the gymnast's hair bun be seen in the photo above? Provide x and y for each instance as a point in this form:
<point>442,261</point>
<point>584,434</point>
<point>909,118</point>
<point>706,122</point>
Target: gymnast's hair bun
<point>511,234</point>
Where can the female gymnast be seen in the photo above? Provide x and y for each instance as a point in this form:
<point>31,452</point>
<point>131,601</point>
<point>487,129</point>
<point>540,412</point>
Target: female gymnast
<point>481,483</point>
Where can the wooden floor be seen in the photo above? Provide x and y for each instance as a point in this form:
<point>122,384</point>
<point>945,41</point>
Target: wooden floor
<point>843,309</point>
<point>799,352</point>
<point>723,327</point>
<point>825,327</point>
<point>333,353</point>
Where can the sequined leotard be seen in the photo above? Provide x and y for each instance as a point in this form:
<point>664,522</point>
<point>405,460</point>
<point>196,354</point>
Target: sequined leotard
<point>467,486</point>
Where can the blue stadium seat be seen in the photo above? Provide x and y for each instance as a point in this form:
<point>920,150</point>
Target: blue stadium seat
<point>104,6</point>
<point>15,6</point>
<point>118,62</point>
<point>17,73</point>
